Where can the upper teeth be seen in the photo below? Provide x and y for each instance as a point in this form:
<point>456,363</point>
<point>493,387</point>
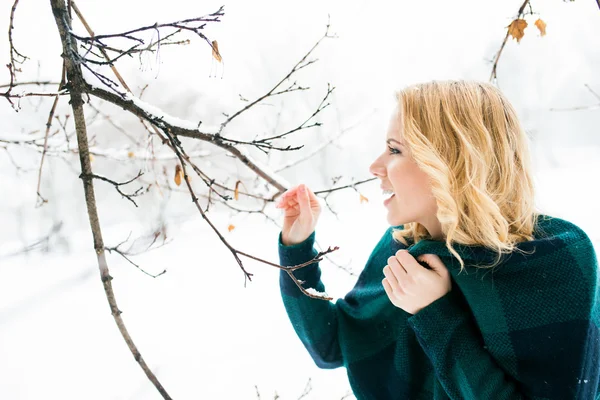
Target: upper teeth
<point>388,192</point>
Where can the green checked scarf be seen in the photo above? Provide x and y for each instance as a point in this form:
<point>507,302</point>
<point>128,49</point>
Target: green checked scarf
<point>527,329</point>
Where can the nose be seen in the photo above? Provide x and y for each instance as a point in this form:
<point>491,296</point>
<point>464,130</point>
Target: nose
<point>377,168</point>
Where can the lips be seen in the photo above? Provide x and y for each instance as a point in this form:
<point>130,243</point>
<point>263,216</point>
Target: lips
<point>387,201</point>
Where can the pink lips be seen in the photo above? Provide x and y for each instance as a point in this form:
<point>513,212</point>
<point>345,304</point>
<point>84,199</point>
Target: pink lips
<point>387,201</point>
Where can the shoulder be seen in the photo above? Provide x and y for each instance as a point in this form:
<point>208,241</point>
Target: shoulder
<point>560,248</point>
<point>553,233</point>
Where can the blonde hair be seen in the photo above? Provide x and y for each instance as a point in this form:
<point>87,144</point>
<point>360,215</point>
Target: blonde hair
<point>465,135</point>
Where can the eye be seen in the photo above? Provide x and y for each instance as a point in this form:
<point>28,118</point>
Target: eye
<point>394,151</point>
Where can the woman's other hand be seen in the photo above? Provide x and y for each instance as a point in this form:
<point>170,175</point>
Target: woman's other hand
<point>301,211</point>
<point>412,287</point>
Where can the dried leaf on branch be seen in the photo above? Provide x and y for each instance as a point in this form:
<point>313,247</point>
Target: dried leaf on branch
<point>178,175</point>
<point>541,25</point>
<point>517,29</point>
<point>215,51</point>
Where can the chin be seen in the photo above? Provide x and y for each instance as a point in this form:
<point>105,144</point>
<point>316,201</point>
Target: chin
<point>395,220</point>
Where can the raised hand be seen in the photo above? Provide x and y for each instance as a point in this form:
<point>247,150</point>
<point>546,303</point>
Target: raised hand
<point>301,212</point>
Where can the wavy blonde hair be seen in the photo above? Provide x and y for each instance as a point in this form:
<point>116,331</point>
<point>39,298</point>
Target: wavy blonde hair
<point>465,135</point>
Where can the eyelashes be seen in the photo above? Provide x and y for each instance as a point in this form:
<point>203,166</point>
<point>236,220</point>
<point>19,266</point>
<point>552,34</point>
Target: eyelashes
<point>393,150</point>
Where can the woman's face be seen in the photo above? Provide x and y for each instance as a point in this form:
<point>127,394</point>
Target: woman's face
<point>412,199</point>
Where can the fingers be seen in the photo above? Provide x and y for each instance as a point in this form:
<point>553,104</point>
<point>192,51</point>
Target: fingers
<point>288,198</point>
<point>304,199</point>
<point>294,196</point>
<point>392,281</point>
<point>388,289</point>
<point>398,269</point>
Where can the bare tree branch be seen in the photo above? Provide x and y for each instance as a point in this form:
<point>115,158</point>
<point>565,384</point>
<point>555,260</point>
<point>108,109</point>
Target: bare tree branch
<point>76,83</point>
<point>41,199</point>
<point>301,64</point>
<point>352,185</point>
<point>194,25</point>
<point>15,56</point>
<point>131,104</point>
<point>35,83</point>
<point>117,185</point>
<point>579,108</point>
<point>42,243</point>
<point>127,253</point>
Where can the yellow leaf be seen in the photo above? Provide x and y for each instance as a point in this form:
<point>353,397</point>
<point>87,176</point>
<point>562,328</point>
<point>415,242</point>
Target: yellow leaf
<point>363,199</point>
<point>130,154</point>
<point>91,158</point>
<point>215,51</point>
<point>230,227</point>
<point>517,29</point>
<point>178,174</point>
<point>236,193</point>
<point>541,25</point>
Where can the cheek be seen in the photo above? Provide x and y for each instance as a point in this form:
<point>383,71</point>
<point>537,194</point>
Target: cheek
<point>411,184</point>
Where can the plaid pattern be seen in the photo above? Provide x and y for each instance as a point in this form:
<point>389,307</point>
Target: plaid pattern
<point>529,329</point>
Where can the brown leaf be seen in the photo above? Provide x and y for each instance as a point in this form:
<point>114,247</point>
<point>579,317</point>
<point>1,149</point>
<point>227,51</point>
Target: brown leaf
<point>363,199</point>
<point>178,174</point>
<point>517,29</point>
<point>215,51</point>
<point>236,193</point>
<point>130,154</point>
<point>230,227</point>
<point>541,25</point>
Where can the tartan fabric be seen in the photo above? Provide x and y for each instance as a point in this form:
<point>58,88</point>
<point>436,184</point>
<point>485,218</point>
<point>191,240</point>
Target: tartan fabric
<point>529,329</point>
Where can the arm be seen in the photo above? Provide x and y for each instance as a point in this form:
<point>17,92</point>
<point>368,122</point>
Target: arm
<point>315,321</point>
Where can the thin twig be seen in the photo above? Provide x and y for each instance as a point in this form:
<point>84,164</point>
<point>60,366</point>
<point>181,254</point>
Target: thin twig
<point>15,56</point>
<point>497,57</point>
<point>48,126</point>
<point>117,185</point>
<point>124,255</point>
<point>35,83</point>
<point>42,242</point>
<point>590,107</point>
<point>271,92</point>
<point>91,33</point>
<point>352,185</point>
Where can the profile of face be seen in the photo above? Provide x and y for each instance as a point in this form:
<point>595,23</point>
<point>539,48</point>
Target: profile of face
<point>411,198</point>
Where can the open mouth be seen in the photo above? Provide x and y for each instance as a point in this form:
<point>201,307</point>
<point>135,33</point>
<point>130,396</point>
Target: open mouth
<point>391,196</point>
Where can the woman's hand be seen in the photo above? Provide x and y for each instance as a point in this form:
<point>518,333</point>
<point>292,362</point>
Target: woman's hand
<point>411,286</point>
<point>301,212</point>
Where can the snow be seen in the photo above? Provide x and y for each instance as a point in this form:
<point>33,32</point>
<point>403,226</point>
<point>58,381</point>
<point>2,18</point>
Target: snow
<point>315,292</point>
<point>198,328</point>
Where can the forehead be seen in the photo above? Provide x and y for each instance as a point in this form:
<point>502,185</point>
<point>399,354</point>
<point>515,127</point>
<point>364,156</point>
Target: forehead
<point>394,132</point>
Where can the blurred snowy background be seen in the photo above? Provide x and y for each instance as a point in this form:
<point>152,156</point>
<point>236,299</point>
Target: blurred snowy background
<point>203,333</point>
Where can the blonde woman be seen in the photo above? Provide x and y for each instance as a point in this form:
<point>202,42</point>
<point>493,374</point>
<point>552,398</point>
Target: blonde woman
<point>471,293</point>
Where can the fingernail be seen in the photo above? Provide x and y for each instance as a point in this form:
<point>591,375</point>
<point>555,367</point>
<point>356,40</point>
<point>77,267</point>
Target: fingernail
<point>302,189</point>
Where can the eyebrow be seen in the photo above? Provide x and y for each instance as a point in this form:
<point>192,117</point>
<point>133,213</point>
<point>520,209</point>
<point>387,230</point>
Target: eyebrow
<point>394,140</point>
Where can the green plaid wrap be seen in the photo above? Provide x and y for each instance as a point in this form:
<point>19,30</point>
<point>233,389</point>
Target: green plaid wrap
<point>526,330</point>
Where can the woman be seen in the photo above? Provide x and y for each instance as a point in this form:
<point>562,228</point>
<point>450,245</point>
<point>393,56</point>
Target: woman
<point>475,295</point>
